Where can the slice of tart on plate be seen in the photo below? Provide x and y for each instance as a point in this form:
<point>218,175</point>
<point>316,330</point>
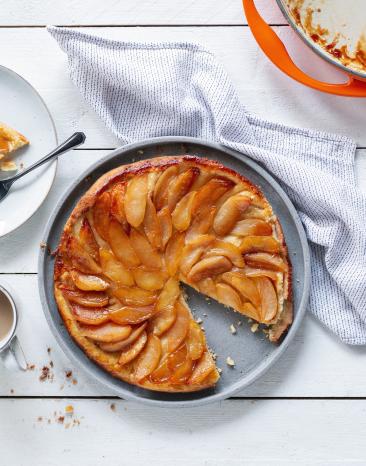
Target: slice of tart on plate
<point>140,231</point>
<point>10,141</point>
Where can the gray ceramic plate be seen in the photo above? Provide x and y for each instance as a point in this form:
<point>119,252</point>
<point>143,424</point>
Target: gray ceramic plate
<point>253,354</point>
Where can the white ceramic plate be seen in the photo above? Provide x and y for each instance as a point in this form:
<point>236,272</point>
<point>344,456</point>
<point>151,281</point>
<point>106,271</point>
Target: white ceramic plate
<point>22,108</point>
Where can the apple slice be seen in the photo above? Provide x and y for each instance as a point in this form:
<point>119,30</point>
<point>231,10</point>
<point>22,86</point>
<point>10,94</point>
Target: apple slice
<point>180,365</point>
<point>148,279</point>
<point>148,359</point>
<point>177,357</point>
<point>208,267</point>
<point>160,196</point>
<point>229,213</point>
<point>265,261</point>
<point>201,223</point>
<point>145,252</point>
<point>255,212</point>
<point>168,295</point>
<point>107,333</point>
<point>228,296</point>
<point>121,245</point>
<point>180,186</point>
<point>87,239</point>
<point>173,252</point>
<point>88,282</point>
<point>229,250</point>
<point>251,272</point>
<point>203,369</point>
<point>246,286</point>
<point>249,310</point>
<point>269,299</point>
<point>252,226</point>
<point>260,244</point>
<point>190,255</point>
<point>89,316</point>
<point>207,286</point>
<point>87,299</point>
<point>120,345</point>
<point>182,214</point>
<point>152,225</point>
<point>210,192</point>
<point>173,338</point>
<point>101,215</point>
<point>195,341</point>
<point>133,296</point>
<point>80,258</point>
<point>132,315</point>
<point>118,205</point>
<point>115,270</point>
<point>132,351</point>
<point>135,200</point>
<point>162,320</point>
<point>166,225</point>
<point>183,372</point>
<point>162,373</point>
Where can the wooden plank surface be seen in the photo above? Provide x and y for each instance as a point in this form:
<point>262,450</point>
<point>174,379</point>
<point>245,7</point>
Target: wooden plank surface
<point>110,12</point>
<point>26,240</point>
<point>263,89</point>
<point>275,432</point>
<point>311,367</point>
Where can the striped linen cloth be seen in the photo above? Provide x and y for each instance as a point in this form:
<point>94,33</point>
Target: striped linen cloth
<point>143,90</point>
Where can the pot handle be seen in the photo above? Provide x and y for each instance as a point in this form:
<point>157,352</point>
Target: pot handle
<point>275,50</point>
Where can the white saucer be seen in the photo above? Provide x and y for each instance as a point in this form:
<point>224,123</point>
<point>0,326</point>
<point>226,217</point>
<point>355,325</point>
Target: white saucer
<point>22,108</point>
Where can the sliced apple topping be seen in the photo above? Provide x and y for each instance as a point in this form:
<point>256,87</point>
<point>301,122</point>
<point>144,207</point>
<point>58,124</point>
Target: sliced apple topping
<point>121,245</point>
<point>228,296</point>
<point>265,261</point>
<point>118,205</point>
<point>250,311</point>
<point>80,258</point>
<point>203,369</point>
<point>180,365</point>
<point>180,186</point>
<point>166,225</point>
<point>246,287</point>
<point>209,267</point>
<point>173,338</point>
<point>88,282</point>
<point>132,315</point>
<point>87,299</point>
<point>87,239</point>
<point>133,296</point>
<point>107,333</point>
<point>260,244</point>
<point>269,299</point>
<point>101,215</point>
<point>160,196</point>
<point>252,272</point>
<point>145,252</point>
<point>152,226</point>
<point>229,250</point>
<point>229,213</point>
<point>135,200</point>
<point>120,345</point>
<point>115,270</point>
<point>148,279</point>
<point>201,223</point>
<point>182,213</point>
<point>168,295</point>
<point>90,316</point>
<point>210,192</point>
<point>256,212</point>
<point>149,358</point>
<point>162,320</point>
<point>162,373</point>
<point>207,286</point>
<point>173,252</point>
<point>133,350</point>
<point>195,341</point>
<point>252,227</point>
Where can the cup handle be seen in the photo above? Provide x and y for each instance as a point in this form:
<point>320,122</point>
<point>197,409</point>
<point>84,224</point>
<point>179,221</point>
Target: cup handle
<point>18,353</point>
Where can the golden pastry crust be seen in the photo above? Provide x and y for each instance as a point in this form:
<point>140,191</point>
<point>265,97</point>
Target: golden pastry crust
<point>10,141</point>
<point>210,208</point>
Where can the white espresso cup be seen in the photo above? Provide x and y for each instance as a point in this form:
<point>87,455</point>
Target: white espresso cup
<point>8,326</point>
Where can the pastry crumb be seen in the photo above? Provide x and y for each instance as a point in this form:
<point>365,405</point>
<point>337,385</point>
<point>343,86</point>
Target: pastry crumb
<point>230,361</point>
<point>232,329</point>
<point>69,409</point>
<point>113,407</point>
<point>254,327</point>
<point>199,320</point>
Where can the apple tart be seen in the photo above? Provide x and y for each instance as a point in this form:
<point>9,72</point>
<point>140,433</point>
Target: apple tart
<point>140,231</point>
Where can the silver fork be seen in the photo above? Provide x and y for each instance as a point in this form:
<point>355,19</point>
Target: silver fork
<point>73,141</point>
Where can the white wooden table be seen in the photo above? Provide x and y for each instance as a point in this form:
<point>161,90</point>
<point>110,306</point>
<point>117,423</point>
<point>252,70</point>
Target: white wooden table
<point>310,408</point>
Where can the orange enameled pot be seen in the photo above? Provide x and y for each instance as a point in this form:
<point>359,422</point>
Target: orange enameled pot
<point>275,50</point>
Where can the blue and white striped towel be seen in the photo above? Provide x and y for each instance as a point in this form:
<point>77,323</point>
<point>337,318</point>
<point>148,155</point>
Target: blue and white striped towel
<point>142,90</point>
